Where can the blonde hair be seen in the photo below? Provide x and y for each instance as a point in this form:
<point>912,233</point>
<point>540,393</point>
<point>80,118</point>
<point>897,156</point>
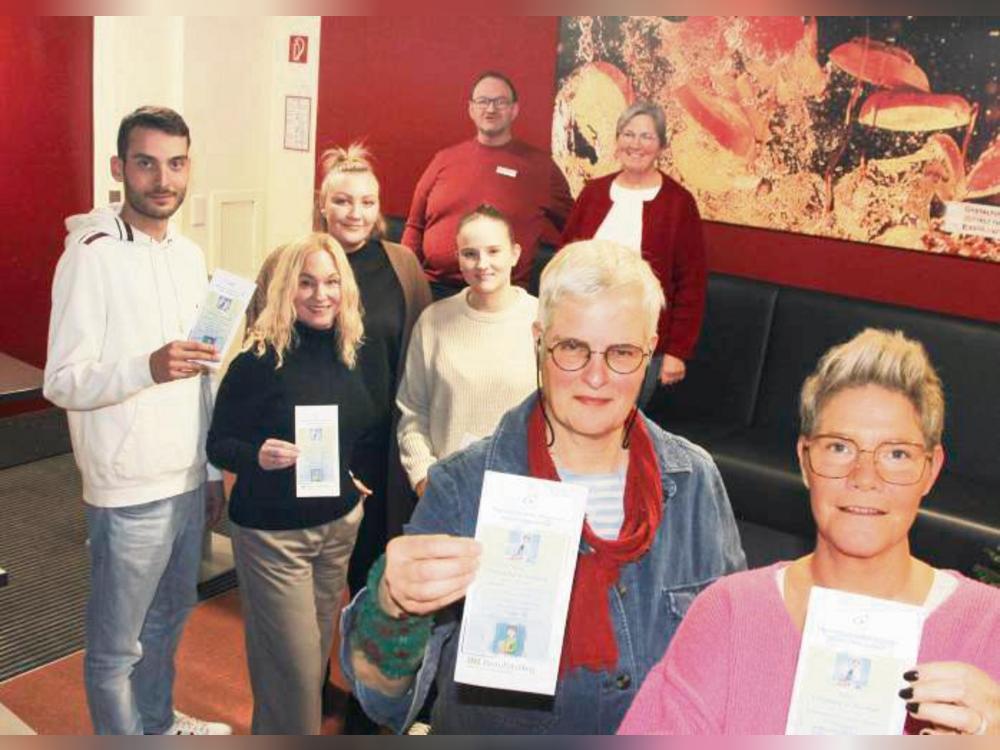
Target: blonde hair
<point>486,211</point>
<point>877,357</point>
<point>590,267</point>
<point>275,325</point>
<point>334,162</point>
<point>259,298</point>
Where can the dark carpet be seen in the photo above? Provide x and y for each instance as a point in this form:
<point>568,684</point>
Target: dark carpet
<point>43,537</point>
<point>43,547</point>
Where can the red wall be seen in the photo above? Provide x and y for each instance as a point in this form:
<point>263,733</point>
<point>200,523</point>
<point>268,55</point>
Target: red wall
<point>402,83</point>
<point>46,153</point>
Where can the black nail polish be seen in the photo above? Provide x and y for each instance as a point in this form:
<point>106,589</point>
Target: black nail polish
<point>906,693</point>
<point>913,707</point>
<point>911,676</point>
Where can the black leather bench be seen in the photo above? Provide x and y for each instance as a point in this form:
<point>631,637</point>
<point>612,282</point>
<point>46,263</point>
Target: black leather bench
<point>740,401</point>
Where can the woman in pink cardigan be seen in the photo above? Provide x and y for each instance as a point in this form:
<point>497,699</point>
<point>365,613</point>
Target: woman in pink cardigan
<point>870,450</point>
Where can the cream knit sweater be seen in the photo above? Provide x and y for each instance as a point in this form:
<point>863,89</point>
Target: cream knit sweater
<point>464,369</point>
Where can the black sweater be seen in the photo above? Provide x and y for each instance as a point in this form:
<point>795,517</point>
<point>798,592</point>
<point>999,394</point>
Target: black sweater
<point>385,318</point>
<point>256,402</point>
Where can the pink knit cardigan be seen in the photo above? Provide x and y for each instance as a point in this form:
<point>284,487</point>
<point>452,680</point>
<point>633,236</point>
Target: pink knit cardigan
<point>730,667</point>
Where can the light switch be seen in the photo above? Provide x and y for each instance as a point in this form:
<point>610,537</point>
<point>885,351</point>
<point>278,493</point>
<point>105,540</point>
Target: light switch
<point>198,210</point>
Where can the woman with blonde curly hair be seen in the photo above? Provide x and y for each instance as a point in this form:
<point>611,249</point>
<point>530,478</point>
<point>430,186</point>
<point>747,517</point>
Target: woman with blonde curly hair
<point>292,552</point>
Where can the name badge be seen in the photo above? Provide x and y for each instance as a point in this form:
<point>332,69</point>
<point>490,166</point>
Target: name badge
<point>506,171</point>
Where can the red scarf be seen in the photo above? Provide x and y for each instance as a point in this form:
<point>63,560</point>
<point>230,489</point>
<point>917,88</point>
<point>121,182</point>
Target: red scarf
<point>590,637</point>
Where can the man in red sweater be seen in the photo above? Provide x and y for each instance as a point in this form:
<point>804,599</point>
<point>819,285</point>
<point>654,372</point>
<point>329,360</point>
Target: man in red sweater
<point>520,180</point>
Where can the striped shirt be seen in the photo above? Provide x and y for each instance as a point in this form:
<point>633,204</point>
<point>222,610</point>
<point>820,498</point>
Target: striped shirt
<point>605,500</point>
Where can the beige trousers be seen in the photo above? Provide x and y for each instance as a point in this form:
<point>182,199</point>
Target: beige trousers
<point>290,587</point>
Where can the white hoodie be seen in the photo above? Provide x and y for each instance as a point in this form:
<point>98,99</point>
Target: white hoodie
<point>118,296</point>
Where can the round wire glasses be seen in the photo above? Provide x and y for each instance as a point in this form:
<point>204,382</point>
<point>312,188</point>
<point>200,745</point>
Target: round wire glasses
<point>572,355</point>
<point>895,462</point>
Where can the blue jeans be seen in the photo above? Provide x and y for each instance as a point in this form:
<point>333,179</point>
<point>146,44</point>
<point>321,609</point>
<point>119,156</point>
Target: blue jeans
<point>143,584</point>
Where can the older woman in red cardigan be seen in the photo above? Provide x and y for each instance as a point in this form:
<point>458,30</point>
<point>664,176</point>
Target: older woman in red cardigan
<point>642,208</point>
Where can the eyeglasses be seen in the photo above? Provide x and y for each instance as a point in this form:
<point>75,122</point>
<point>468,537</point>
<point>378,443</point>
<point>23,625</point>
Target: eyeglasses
<point>572,355</point>
<point>895,462</point>
<point>484,102</point>
<point>644,138</point>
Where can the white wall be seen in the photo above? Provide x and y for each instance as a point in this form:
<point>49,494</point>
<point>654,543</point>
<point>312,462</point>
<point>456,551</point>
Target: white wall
<point>290,176</point>
<point>228,77</point>
<point>137,60</point>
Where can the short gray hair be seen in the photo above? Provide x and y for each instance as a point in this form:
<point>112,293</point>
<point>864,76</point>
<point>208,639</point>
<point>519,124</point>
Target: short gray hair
<point>655,111</point>
<point>590,267</point>
<point>877,357</point>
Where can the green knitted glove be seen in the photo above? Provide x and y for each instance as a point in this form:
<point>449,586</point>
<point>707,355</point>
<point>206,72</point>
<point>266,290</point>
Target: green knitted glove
<point>395,647</point>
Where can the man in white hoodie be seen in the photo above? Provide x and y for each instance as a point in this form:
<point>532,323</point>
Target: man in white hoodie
<point>126,291</point>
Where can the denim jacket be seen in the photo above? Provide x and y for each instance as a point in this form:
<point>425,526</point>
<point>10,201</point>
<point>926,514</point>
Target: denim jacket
<point>696,542</point>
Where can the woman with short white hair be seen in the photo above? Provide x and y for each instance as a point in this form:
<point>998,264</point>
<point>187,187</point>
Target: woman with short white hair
<point>658,523</point>
<point>869,448</point>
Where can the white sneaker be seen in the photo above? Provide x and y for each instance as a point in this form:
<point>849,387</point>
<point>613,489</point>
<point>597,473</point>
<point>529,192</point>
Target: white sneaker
<point>184,724</point>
